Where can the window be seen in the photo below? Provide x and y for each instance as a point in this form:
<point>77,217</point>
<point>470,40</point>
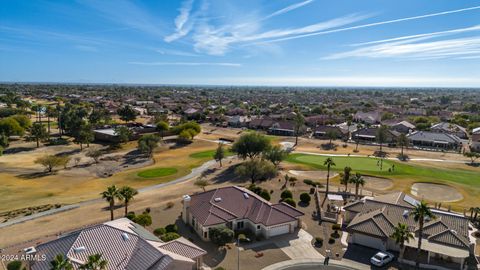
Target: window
<point>205,235</point>
<point>258,227</point>
<point>239,225</point>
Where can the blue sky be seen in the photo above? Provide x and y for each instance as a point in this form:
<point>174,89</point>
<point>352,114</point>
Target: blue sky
<point>242,42</point>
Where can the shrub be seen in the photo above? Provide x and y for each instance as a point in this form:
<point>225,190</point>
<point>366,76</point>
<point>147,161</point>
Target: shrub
<point>15,265</point>
<point>312,190</point>
<point>221,236</point>
<point>171,228</point>
<point>159,231</point>
<point>169,236</point>
<point>147,210</point>
<point>290,201</point>
<point>242,237</point>
<point>335,235</point>
<point>286,194</point>
<point>219,268</point>
<point>131,216</point>
<point>305,198</point>
<point>331,240</point>
<point>170,205</point>
<point>264,194</point>
<point>318,241</point>
<point>144,220</point>
<point>336,227</point>
<point>308,182</point>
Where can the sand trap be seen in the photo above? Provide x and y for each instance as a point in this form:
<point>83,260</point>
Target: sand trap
<point>436,192</point>
<point>377,183</point>
<point>312,174</point>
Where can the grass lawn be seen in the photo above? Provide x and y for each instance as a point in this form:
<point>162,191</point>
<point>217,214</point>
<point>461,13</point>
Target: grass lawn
<point>209,154</point>
<point>157,172</point>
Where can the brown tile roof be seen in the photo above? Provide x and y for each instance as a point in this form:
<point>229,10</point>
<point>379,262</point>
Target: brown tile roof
<point>225,204</point>
<point>184,249</point>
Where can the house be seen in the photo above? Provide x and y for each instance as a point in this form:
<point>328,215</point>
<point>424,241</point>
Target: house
<point>283,128</point>
<point>239,121</point>
<point>404,127</point>
<point>261,123</point>
<point>322,132</point>
<point>434,140</point>
<point>445,241</point>
<point>369,135</point>
<point>449,128</point>
<point>368,117</point>
<point>239,209</point>
<point>416,111</point>
<point>124,245</point>
<point>475,142</point>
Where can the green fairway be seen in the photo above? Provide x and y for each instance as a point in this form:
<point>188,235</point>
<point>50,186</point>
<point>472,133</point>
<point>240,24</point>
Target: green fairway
<point>369,166</point>
<point>209,154</point>
<point>157,172</point>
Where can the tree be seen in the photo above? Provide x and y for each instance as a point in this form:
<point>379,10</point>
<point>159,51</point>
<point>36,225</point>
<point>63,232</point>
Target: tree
<point>201,183</point>
<point>10,127</point>
<point>401,234</point>
<point>110,195</point>
<point>51,112</point>
<point>127,193</point>
<point>38,133</point>
<point>61,263</point>
<point>95,154</point>
<point>22,120</point>
<point>346,177</point>
<point>332,135</point>
<point>358,181</point>
<point>381,136</point>
<point>123,134</point>
<point>49,162</point>
<point>403,142</point>
<point>256,170</point>
<point>127,113</point>
<point>420,213</point>
<point>84,135</point>
<point>14,265</point>
<point>472,155</point>
<point>161,127</point>
<point>185,136</point>
<point>251,145</point>
<point>94,262</point>
<point>305,198</point>
<point>219,153</point>
<point>148,143</point>
<point>299,121</point>
<point>221,235</point>
<point>329,163</point>
<point>275,155</point>
<point>4,140</point>
<point>144,219</point>
<point>286,194</point>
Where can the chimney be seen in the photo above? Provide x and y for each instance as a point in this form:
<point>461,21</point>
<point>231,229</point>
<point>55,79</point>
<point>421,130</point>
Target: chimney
<point>186,206</point>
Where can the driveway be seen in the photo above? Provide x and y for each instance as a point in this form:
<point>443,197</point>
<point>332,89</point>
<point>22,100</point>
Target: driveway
<point>359,257</point>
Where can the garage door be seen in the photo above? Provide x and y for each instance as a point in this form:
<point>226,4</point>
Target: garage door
<point>278,230</point>
<point>368,241</point>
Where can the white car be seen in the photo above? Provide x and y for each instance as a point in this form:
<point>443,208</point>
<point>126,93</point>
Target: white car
<point>381,258</point>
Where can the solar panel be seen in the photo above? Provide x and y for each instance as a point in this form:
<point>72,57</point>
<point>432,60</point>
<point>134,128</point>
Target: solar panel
<point>410,200</point>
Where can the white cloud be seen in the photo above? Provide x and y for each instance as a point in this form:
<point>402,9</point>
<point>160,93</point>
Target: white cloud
<point>175,52</point>
<point>223,64</point>
<point>181,27</point>
<point>288,9</point>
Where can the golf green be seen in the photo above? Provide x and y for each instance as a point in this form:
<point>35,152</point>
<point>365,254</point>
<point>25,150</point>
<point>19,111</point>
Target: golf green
<point>157,172</point>
<point>209,154</point>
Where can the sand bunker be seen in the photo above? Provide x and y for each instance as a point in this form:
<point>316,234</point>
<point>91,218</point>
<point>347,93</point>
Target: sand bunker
<point>377,183</point>
<point>436,192</point>
<point>312,174</point>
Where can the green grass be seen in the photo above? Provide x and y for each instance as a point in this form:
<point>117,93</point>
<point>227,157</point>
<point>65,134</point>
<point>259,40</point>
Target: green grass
<point>369,166</point>
<point>157,172</point>
<point>209,154</point>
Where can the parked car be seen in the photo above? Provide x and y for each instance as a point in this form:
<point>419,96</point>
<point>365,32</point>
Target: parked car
<point>381,258</point>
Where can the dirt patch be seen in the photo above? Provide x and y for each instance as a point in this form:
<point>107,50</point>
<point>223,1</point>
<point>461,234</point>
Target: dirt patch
<point>436,192</point>
<point>377,183</point>
<point>312,174</point>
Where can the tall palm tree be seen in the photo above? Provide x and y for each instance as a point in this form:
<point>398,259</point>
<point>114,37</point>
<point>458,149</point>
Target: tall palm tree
<point>329,163</point>
<point>381,136</point>
<point>95,262</point>
<point>401,234</point>
<point>346,177</point>
<point>403,142</point>
<point>127,193</point>
<point>421,212</point>
<point>60,263</point>
<point>358,181</point>
<point>110,195</point>
<point>299,121</point>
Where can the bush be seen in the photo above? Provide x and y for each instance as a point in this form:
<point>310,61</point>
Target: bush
<point>335,235</point>
<point>290,201</point>
<point>159,231</point>
<point>147,210</point>
<point>286,194</point>
<point>131,216</point>
<point>264,194</point>
<point>331,240</point>
<point>15,265</point>
<point>312,183</point>
<point>170,205</point>
<point>241,237</point>
<point>221,236</point>
<point>169,236</point>
<point>318,240</point>
<point>171,228</point>
<point>144,220</point>
<point>305,198</point>
<point>336,227</point>
<point>312,190</point>
<point>219,268</point>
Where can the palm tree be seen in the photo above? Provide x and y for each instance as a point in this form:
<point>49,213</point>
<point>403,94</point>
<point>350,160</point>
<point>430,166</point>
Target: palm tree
<point>381,136</point>
<point>357,180</point>
<point>403,142</point>
<point>329,163</point>
<point>95,262</point>
<point>299,121</point>
<point>109,195</point>
<point>346,177</point>
<point>401,234</point>
<point>127,193</point>
<point>60,263</point>
<point>421,212</point>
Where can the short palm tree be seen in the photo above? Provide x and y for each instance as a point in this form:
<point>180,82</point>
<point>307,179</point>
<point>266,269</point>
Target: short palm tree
<point>358,181</point>
<point>401,234</point>
<point>127,193</point>
<point>60,263</point>
<point>110,195</point>
<point>95,262</point>
<point>421,212</point>
<point>329,163</point>
<point>346,177</point>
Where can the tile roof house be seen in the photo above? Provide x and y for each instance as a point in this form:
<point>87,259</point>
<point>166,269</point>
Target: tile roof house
<point>124,245</point>
<point>238,209</point>
<point>449,128</point>
<point>323,132</point>
<point>434,140</point>
<point>371,222</point>
<point>367,117</point>
<point>475,140</point>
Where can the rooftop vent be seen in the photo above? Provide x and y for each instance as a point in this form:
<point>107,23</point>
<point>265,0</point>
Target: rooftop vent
<point>30,250</point>
<point>125,236</point>
<point>218,199</point>
<point>453,231</point>
<point>245,195</point>
<point>405,213</point>
<point>79,249</point>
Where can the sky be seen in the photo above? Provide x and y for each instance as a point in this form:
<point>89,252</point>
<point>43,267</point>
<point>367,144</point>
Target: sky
<point>242,42</point>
